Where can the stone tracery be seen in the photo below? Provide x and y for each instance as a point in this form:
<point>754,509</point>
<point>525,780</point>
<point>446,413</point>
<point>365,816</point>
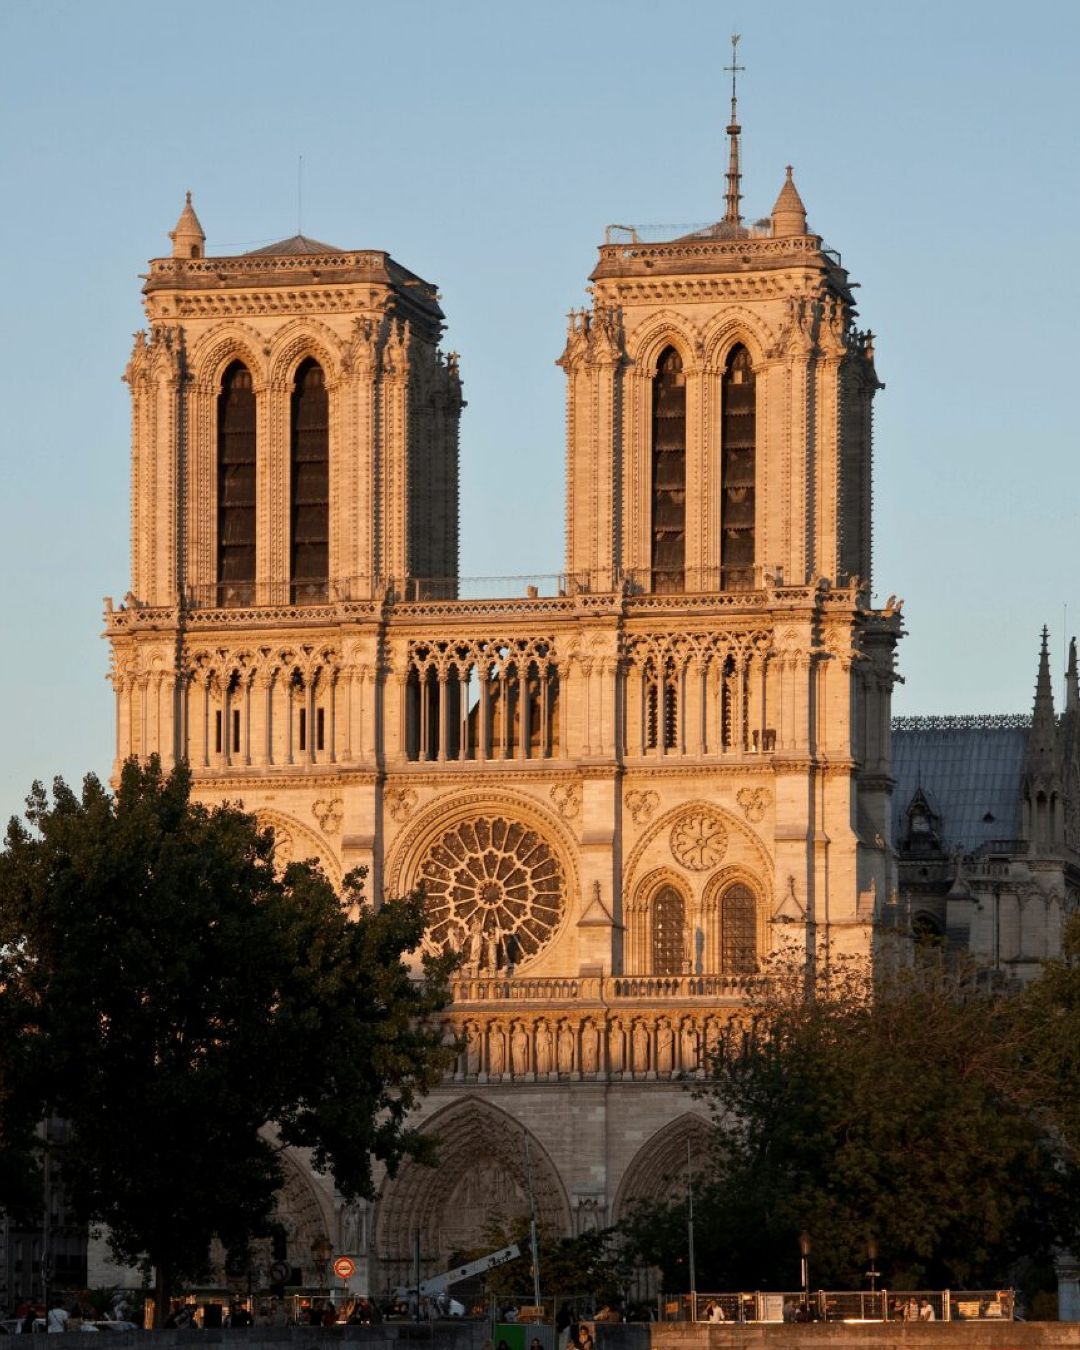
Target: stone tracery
<point>496,892</point>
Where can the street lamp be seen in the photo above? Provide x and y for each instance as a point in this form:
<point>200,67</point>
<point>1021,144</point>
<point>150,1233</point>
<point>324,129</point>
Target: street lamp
<point>871,1256</point>
<point>804,1266</point>
<point>321,1251</point>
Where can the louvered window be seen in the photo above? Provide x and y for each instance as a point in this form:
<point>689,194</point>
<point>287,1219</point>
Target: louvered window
<point>738,481</point>
<point>669,474</point>
<point>310,485</point>
<point>738,930</point>
<point>236,487</point>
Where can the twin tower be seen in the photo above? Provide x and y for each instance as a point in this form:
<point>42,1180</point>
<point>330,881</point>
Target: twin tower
<point>618,796</point>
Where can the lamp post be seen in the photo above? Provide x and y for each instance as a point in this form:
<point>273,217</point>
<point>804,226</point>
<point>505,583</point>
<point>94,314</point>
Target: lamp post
<point>871,1256</point>
<point>804,1266</point>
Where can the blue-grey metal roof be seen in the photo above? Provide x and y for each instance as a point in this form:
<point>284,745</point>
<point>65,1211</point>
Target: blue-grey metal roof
<point>969,768</point>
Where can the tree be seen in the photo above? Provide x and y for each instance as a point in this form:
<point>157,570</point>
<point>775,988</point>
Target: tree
<point>899,1109</point>
<point>190,1012</point>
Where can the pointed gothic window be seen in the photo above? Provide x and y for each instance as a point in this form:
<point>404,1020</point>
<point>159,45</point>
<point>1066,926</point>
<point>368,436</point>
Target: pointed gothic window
<point>236,487</point>
<point>669,474</point>
<point>738,930</point>
<point>738,473</point>
<point>310,485</point>
<point>668,932</point>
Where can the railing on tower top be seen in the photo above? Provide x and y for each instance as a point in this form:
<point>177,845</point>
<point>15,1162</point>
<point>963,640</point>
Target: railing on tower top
<point>527,586</point>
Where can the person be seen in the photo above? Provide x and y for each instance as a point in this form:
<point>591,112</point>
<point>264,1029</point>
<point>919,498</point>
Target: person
<point>584,1338</point>
<point>716,1311</point>
<point>926,1311</point>
<point>911,1310</point>
<point>329,1316</point>
<point>57,1320</point>
<point>536,1344</point>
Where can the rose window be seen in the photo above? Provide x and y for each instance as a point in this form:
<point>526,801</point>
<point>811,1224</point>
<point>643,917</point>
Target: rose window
<point>699,840</point>
<point>495,892</point>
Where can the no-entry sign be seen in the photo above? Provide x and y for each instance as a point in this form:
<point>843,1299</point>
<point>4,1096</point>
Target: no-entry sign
<point>344,1267</point>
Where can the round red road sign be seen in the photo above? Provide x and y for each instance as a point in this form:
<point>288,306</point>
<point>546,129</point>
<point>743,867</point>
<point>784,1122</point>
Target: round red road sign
<point>344,1266</point>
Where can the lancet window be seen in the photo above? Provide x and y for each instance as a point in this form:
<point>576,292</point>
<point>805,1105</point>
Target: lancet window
<point>310,485</point>
<point>482,700</point>
<point>738,930</point>
<point>738,472</point>
<point>661,706</point>
<point>668,932</point>
<point>669,474</point>
<point>236,487</point>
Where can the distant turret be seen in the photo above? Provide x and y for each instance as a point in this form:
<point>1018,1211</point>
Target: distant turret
<point>188,240</point>
<point>788,213</point>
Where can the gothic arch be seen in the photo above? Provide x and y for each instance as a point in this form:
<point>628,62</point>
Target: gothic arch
<point>663,330</point>
<point>712,917</point>
<point>294,842</point>
<point>299,339</point>
<point>408,851</point>
<point>736,326</point>
<point>480,1174</point>
<point>639,907</point>
<point>760,868</point>
<point>216,350</point>
<point>658,1170</point>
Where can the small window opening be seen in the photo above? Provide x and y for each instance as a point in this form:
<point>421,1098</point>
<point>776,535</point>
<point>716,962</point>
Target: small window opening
<point>303,728</point>
<point>217,732</point>
<point>320,729</point>
<point>236,731</point>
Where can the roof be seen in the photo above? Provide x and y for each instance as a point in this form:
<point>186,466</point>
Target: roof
<point>297,243</point>
<point>971,770</point>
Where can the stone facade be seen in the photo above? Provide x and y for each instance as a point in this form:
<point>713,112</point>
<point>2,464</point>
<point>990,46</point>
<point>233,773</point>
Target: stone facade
<point>620,795</point>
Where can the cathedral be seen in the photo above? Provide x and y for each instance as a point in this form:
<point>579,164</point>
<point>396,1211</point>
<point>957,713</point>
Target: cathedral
<point>619,792</point>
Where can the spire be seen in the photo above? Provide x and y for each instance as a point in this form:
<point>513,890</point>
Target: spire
<point>788,213</point>
<point>734,173</point>
<point>1042,743</point>
<point>1072,682</point>
<point>188,240</point>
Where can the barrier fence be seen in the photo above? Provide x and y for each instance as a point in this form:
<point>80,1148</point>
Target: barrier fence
<point>825,1305</point>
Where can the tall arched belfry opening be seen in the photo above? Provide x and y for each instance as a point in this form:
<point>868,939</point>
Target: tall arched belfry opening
<point>621,792</point>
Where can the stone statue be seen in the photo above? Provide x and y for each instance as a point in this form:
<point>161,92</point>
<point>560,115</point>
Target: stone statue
<point>589,1047</point>
<point>688,1048</point>
<point>354,1226</point>
<point>472,1049</point>
<point>566,1048</point>
<point>640,1042</point>
<point>491,952</point>
<point>665,1047</point>
<point>543,1048</point>
<point>616,1047</point>
<point>519,1049</point>
<point>496,1050</point>
<point>475,952</point>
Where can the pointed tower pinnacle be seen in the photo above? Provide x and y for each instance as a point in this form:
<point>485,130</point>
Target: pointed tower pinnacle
<point>788,213</point>
<point>1042,743</point>
<point>734,173</point>
<point>188,240</point>
<point>1072,682</point>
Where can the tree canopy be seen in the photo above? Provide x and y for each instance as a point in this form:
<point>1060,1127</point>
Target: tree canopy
<point>189,1011</point>
<point>910,1110</point>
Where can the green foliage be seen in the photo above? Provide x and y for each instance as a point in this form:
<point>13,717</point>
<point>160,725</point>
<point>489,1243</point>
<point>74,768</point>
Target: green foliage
<point>593,1262</point>
<point>189,1012</point>
<point>904,1111</point>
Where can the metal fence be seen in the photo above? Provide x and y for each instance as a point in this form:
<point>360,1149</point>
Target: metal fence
<point>841,1305</point>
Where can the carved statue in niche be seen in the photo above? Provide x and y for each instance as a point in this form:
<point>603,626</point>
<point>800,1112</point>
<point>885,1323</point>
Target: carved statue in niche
<point>566,1048</point>
<point>616,1047</point>
<point>713,1035</point>
<point>475,953</point>
<point>491,952</point>
<point>354,1219</point>
<point>519,1049</point>
<point>689,943</point>
<point>640,1042</point>
<point>472,1049</point>
<point>589,1047</point>
<point>496,1049</point>
<point>688,1046</point>
<point>665,1047</point>
<point>543,1047</point>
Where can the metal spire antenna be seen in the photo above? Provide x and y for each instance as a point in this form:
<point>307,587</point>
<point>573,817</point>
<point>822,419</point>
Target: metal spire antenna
<point>534,1244</point>
<point>734,175</point>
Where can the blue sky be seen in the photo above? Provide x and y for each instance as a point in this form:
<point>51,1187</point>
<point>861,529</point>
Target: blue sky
<point>486,145</point>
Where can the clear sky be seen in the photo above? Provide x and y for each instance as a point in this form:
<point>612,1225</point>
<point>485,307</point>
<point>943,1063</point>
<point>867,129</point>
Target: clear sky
<point>486,143</point>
